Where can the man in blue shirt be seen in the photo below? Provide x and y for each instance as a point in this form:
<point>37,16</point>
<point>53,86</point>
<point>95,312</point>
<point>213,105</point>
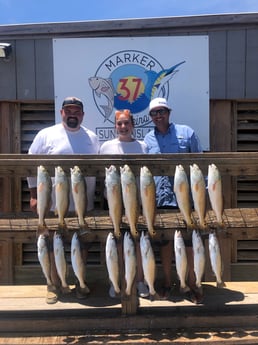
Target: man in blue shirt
<point>168,137</point>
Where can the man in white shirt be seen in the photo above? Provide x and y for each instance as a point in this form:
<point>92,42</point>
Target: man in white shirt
<point>67,137</point>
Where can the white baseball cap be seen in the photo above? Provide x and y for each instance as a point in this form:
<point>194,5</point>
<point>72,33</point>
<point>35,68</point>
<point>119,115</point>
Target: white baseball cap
<point>158,102</point>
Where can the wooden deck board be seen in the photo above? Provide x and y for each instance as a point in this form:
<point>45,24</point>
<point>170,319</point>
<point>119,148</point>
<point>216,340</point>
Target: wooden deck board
<point>227,316</point>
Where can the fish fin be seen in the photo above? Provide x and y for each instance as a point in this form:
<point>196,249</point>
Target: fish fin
<point>40,186</point>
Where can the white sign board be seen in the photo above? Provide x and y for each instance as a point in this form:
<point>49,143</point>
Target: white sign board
<point>111,74</point>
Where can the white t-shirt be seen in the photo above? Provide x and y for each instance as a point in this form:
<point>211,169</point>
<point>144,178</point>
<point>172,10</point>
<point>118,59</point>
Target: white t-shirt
<point>115,146</point>
<point>57,140</point>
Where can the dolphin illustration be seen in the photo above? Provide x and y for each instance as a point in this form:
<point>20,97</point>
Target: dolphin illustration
<point>102,86</point>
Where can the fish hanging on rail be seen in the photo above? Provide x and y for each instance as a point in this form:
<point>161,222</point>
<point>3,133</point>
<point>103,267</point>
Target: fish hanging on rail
<point>60,261</point>
<point>79,193</point>
<point>215,193</point>
<point>198,189</point>
<point>215,258</point>
<point>182,192</point>
<point>181,260</point>
<point>148,198</point>
<point>129,262</point>
<point>62,192</point>
<point>112,262</point>
<point>130,198</point>
<point>44,190</point>
<point>114,197</point>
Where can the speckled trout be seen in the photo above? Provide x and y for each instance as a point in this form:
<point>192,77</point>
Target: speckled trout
<point>112,261</point>
<point>114,197</point>
<point>182,192</point>
<point>181,260</point>
<point>79,193</point>
<point>62,191</point>
<point>129,262</point>
<point>60,261</point>
<point>44,189</point>
<point>78,264</point>
<point>198,189</point>
<point>148,198</point>
<point>43,256</point>
<point>215,193</point>
<point>199,257</point>
<point>215,258</point>
<point>148,263</point>
<point>130,198</point>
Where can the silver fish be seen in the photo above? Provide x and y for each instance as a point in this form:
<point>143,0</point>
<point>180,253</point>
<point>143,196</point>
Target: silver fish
<point>112,261</point>
<point>148,198</point>
<point>148,263</point>
<point>130,198</point>
<point>114,198</point>
<point>215,258</point>
<point>62,191</point>
<point>44,189</point>
<point>77,263</point>
<point>79,193</point>
<point>181,260</point>
<point>60,261</point>
<point>182,192</point>
<point>215,192</point>
<point>130,262</point>
<point>198,189</point>
<point>43,256</point>
<point>199,257</point>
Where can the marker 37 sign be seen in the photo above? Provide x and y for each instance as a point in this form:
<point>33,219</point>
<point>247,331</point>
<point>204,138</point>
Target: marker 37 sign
<point>129,79</point>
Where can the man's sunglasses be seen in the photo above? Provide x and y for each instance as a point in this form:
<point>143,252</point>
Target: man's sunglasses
<point>162,111</point>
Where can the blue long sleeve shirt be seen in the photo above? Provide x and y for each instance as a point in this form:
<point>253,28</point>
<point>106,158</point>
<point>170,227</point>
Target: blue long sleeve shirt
<point>178,139</point>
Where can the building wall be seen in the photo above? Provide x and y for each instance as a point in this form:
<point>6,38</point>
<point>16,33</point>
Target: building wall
<point>232,40</point>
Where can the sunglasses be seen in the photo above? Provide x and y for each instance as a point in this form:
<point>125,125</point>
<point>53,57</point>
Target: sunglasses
<point>161,111</point>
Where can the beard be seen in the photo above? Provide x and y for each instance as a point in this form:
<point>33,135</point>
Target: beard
<point>72,122</point>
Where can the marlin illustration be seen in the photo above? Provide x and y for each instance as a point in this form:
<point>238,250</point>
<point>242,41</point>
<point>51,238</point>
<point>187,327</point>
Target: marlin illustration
<point>156,81</point>
<point>102,86</point>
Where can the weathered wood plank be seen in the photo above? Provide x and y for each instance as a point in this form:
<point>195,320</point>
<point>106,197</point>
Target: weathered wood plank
<point>229,163</point>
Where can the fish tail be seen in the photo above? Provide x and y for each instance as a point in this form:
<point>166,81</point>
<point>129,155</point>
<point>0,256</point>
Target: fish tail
<point>42,230</point>
<point>62,227</point>
<point>83,230</point>
<point>221,285</point>
<point>117,232</point>
<point>134,233</point>
<point>184,289</point>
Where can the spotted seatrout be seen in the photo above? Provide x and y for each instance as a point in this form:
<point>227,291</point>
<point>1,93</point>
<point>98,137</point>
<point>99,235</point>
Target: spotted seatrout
<point>215,192</point>
<point>182,192</point>
<point>129,262</point>
<point>199,257</point>
<point>114,197</point>
<point>181,260</point>
<point>79,193</point>
<point>43,256</point>
<point>112,261</point>
<point>148,198</point>
<point>44,190</point>
<point>130,198</point>
<point>148,263</point>
<point>198,189</point>
<point>78,264</point>
<point>60,261</point>
<point>215,258</point>
<point>62,191</point>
